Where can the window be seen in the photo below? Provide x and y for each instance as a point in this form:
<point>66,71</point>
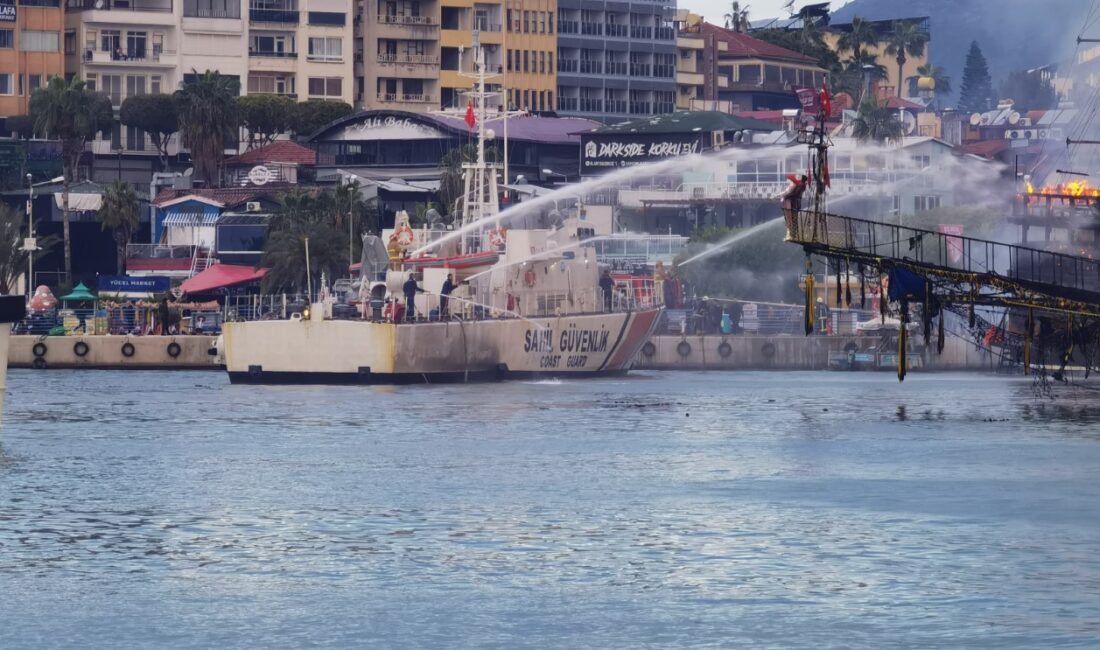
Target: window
<point>324,49</point>
<point>508,18</point>
<point>154,84</point>
<point>508,60</point>
<point>38,41</point>
<point>90,81</point>
<point>542,62</point>
<point>526,54</point>
<point>897,204</point>
<point>325,86</point>
<point>90,40</point>
<point>70,42</point>
<point>111,84</point>
<point>921,203</point>
<point>135,45</point>
<point>111,41</point>
<point>278,85</point>
<point>212,8</point>
<point>7,84</point>
<point>7,39</point>
<point>135,85</point>
<point>135,139</point>
<point>20,78</point>
<point>542,22</point>
<point>327,18</point>
<point>526,22</point>
<point>34,82</point>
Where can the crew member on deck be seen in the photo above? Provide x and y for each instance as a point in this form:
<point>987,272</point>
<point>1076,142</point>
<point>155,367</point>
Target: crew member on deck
<point>792,202</point>
<point>411,288</point>
<point>445,298</point>
<point>607,285</point>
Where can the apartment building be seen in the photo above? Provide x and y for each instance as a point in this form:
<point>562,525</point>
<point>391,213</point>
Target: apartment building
<point>416,51</point>
<point>616,59</point>
<point>303,49</point>
<point>30,50</point>
<point>134,47</point>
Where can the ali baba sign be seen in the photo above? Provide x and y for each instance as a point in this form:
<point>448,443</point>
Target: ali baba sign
<point>603,151</point>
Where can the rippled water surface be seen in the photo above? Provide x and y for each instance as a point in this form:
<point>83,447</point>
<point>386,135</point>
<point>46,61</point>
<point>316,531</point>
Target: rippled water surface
<point>664,509</point>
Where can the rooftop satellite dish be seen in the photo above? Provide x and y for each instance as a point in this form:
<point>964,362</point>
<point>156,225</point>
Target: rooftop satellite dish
<point>909,122</point>
<point>189,171</point>
<point>1013,118</point>
<point>975,119</point>
<point>98,4</point>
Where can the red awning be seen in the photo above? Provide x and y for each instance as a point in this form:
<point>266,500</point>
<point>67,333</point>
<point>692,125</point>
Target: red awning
<point>221,276</point>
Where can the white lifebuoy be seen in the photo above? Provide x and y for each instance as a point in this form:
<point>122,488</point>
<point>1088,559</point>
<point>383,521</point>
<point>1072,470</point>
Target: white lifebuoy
<point>497,237</point>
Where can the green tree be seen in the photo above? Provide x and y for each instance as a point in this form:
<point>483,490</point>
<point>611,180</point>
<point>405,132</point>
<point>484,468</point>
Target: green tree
<point>876,122</point>
<point>451,182</point>
<point>67,111</point>
<point>208,120</point>
<point>155,114</point>
<point>937,74</point>
<point>13,259</point>
<point>738,18</point>
<point>861,35</point>
<point>305,215</point>
<point>309,116</point>
<point>22,125</point>
<point>119,214</point>
<point>809,41</point>
<point>977,87</point>
<point>265,117</point>
<point>905,40</point>
<point>1029,90</point>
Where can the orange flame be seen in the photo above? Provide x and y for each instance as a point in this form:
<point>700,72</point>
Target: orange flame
<point>1074,188</point>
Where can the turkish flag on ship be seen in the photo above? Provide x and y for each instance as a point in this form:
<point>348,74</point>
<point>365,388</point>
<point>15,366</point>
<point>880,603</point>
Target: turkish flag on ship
<point>826,101</point>
<point>470,119</point>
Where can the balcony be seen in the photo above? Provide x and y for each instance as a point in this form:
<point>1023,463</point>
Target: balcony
<point>408,59</point>
<point>641,70</point>
<point>616,68</point>
<point>591,67</point>
<point>405,98</point>
<point>641,108</point>
<point>279,16</point>
<point>617,106</point>
<point>641,32</point>
<point>618,31</point>
<point>410,21</point>
<point>39,3</point>
<point>165,58</point>
<point>156,6</point>
<point>568,65</point>
<point>150,258</point>
<point>591,105</point>
<point>273,54</point>
<point>569,27</point>
<point>592,29</point>
<point>663,71</point>
<point>486,26</point>
<point>690,78</point>
<point>666,34</point>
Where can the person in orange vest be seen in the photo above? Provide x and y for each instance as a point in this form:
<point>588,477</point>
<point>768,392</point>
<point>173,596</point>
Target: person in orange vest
<point>792,202</point>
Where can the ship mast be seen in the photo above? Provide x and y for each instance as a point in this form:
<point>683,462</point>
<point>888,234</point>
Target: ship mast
<point>480,196</point>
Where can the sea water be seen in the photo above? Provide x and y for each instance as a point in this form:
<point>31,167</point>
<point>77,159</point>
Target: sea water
<point>150,509</point>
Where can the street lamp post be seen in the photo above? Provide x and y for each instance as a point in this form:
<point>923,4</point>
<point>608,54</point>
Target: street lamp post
<point>29,243</point>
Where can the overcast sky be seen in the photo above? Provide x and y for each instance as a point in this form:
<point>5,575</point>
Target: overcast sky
<point>713,10</point>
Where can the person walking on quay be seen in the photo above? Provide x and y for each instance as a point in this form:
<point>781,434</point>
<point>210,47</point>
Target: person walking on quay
<point>411,288</point>
<point>445,298</point>
<point>792,202</point>
<point>607,285</point>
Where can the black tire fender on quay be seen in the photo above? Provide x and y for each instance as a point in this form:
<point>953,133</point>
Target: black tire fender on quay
<point>649,349</point>
<point>683,348</point>
<point>851,346</point>
<point>39,363</point>
<point>127,349</point>
<point>174,349</point>
<point>80,348</point>
<point>768,350</point>
<point>725,349</point>
<point>39,349</point>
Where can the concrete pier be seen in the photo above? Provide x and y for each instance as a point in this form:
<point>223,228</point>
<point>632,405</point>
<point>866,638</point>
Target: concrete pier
<point>787,352</point>
<point>110,352</point>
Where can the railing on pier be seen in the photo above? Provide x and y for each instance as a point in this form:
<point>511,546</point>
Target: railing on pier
<point>860,239</point>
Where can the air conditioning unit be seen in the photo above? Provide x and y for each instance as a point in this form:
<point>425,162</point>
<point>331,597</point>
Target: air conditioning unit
<point>253,206</point>
<point>1012,134</point>
<point>1024,121</point>
<point>1028,134</point>
<point>1042,134</point>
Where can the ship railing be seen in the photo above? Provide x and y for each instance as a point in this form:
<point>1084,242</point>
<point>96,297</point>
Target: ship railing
<point>277,306</point>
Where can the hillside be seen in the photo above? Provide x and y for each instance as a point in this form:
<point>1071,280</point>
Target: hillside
<point>1013,34</point>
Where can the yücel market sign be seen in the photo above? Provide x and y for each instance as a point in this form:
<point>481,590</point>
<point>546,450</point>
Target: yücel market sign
<point>600,152</point>
<point>7,13</point>
<point>127,284</point>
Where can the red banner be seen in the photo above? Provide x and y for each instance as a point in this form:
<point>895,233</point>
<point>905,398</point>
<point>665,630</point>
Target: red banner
<point>954,242</point>
<point>808,98</point>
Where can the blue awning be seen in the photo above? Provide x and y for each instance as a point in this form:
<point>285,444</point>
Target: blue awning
<point>190,217</point>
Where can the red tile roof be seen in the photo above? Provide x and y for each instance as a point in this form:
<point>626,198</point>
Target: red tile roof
<point>280,151</point>
<point>985,148</point>
<point>227,196</point>
<point>743,45</point>
<point>897,102</point>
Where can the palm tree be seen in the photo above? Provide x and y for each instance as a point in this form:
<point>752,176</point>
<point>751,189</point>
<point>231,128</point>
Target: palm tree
<point>738,18</point>
<point>905,40</point>
<point>119,214</point>
<point>861,34</point>
<point>208,119</point>
<point>69,112</point>
<point>13,258</point>
<point>876,122</point>
<point>304,216</point>
<point>937,74</point>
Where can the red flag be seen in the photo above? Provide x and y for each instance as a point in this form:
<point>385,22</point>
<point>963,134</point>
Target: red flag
<point>470,119</point>
<point>826,101</point>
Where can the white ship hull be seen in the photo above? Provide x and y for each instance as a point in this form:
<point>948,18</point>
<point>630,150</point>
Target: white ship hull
<point>360,352</point>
